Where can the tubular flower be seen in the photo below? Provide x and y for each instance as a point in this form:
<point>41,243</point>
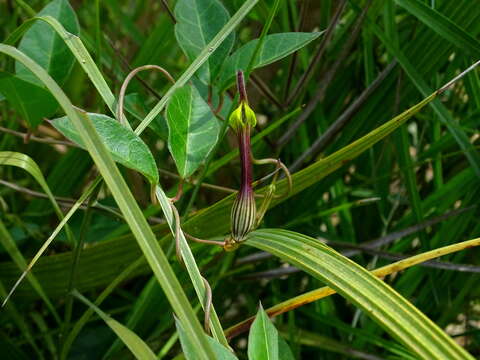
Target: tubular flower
<point>244,211</point>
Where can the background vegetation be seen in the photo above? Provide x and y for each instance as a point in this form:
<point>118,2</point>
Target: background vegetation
<point>350,67</point>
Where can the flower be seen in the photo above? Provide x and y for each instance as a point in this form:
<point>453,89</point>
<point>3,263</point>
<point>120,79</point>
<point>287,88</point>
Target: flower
<point>244,210</point>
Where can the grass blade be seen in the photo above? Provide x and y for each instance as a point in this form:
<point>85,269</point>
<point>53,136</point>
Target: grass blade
<point>26,163</point>
<point>127,204</point>
<point>136,345</point>
<point>443,114</point>
<point>78,50</point>
<point>192,268</point>
<point>325,291</point>
<point>52,237</point>
<point>442,25</point>
<point>82,321</point>
<point>378,300</point>
<point>11,247</point>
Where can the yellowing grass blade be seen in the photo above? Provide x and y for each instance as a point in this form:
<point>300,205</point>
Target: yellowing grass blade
<point>377,299</point>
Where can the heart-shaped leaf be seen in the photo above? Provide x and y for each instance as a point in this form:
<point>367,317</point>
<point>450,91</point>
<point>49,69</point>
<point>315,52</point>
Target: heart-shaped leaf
<point>274,48</point>
<point>126,147</point>
<point>30,100</point>
<point>193,129</point>
<point>198,21</point>
<point>45,47</point>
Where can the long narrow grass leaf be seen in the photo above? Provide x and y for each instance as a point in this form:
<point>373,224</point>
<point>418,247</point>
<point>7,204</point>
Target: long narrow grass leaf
<point>442,25</point>
<point>52,237</point>
<point>192,267</point>
<point>444,115</point>
<point>381,272</point>
<point>136,345</point>
<point>11,247</point>
<point>127,204</point>
<point>378,300</point>
<point>78,50</point>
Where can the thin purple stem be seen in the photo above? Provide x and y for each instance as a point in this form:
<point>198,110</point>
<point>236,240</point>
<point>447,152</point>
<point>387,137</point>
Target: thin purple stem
<point>245,159</point>
<point>242,90</point>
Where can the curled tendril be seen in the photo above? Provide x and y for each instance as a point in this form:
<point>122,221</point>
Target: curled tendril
<point>131,74</point>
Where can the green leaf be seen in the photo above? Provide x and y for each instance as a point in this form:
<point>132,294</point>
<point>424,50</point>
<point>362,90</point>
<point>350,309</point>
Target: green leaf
<point>190,265</point>
<point>377,299</point>
<point>26,163</point>
<point>263,338</point>
<point>221,352</point>
<point>284,351</point>
<point>217,215</point>
<point>17,317</point>
<point>442,25</point>
<point>275,47</point>
<point>130,209</point>
<point>198,21</point>
<point>443,113</point>
<point>199,61</point>
<point>126,147</point>
<point>45,47</point>
<point>12,249</point>
<point>135,105</point>
<point>78,50</point>
<point>30,100</point>
<point>193,129</point>
<point>136,345</point>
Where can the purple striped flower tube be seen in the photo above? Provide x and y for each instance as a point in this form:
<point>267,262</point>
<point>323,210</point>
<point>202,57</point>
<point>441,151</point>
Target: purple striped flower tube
<point>244,210</point>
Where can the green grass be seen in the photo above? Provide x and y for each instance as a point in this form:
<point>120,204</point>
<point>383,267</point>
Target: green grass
<point>396,162</point>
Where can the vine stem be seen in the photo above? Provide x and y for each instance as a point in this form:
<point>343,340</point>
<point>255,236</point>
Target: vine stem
<point>131,74</point>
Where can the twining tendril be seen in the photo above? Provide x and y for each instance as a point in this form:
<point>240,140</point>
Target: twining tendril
<point>131,74</point>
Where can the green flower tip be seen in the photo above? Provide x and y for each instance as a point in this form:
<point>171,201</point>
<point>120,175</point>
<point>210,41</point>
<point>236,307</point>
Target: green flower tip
<point>242,116</point>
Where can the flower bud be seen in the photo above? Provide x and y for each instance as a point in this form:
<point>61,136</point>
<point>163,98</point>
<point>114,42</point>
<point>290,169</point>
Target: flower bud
<point>242,116</point>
